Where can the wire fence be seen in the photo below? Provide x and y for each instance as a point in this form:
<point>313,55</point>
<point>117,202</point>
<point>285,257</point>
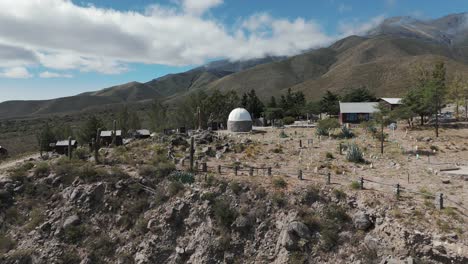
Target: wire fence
<point>441,200</point>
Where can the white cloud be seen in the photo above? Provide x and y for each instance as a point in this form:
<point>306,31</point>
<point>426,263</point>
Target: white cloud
<point>390,2</point>
<point>342,8</point>
<point>199,7</point>
<point>48,74</point>
<point>16,73</point>
<point>60,35</point>
<point>359,28</point>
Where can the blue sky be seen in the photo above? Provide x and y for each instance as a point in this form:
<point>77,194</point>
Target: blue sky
<point>58,48</point>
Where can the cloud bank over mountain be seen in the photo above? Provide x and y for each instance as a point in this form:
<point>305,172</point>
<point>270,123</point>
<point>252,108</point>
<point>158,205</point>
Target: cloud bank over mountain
<point>60,35</point>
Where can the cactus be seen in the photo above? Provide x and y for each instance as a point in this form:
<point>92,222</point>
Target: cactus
<point>354,154</point>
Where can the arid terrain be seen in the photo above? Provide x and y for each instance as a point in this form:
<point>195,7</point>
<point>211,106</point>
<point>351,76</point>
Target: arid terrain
<point>133,207</point>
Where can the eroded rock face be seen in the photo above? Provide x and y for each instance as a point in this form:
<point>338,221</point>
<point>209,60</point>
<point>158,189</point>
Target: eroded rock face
<point>71,221</point>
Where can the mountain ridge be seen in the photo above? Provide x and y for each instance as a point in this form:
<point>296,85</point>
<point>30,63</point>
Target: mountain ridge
<point>382,60</point>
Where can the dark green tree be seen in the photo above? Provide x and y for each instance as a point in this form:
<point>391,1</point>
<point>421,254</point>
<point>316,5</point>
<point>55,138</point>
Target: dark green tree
<point>272,103</point>
<point>330,103</point>
<point>361,94</point>
<point>45,137</point>
<point>89,129</point>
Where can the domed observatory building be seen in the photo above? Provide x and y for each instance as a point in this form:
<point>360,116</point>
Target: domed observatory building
<point>239,121</point>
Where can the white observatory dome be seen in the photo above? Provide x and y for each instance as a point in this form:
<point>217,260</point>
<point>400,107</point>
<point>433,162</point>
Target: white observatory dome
<point>239,114</point>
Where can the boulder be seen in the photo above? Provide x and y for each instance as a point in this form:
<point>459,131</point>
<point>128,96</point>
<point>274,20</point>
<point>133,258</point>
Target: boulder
<point>292,233</point>
<point>361,221</point>
<point>71,221</point>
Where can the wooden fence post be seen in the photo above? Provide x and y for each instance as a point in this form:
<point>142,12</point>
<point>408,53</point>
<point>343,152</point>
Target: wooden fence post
<point>269,171</point>
<point>235,170</point>
<point>251,171</point>
<point>204,167</point>
<point>341,149</point>
<point>299,176</point>
<point>397,191</point>
<point>361,185</point>
<point>192,150</point>
<point>219,169</point>
<point>300,143</point>
<point>440,204</point>
<point>329,178</point>
<point>197,166</point>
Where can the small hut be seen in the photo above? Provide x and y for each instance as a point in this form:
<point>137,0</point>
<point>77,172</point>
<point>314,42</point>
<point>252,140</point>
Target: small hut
<point>142,133</point>
<point>61,146</point>
<point>106,137</point>
<point>239,121</point>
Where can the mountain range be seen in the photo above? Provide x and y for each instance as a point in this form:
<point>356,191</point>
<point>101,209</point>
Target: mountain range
<point>382,60</point>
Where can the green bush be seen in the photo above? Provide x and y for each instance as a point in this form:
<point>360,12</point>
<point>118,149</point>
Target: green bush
<point>223,213</point>
<point>20,173</point>
<point>70,256</point>
<point>279,183</point>
<point>182,176</point>
<point>81,153</point>
<point>101,248</point>
<point>208,196</point>
<point>235,187</point>
<point>42,169</point>
<point>346,132</point>
<point>89,173</point>
<point>329,155</point>
<point>6,243</point>
<point>283,134</point>
<point>147,170</point>
<point>326,126</point>
<point>339,194</point>
<point>175,188</point>
<point>36,218</point>
<point>288,120</point>
<point>74,234</point>
<point>354,154</point>
<point>355,185</point>
<point>311,195</point>
<point>279,199</point>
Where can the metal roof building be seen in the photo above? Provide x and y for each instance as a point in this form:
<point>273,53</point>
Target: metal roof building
<point>108,133</point>
<point>357,112</point>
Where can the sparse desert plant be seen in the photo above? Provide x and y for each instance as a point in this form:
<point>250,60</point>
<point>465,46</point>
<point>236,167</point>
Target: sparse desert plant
<point>182,176</point>
<point>102,247</point>
<point>326,126</point>
<point>278,149</point>
<point>223,213</point>
<point>288,120</point>
<point>339,194</point>
<point>279,199</point>
<point>235,187</point>
<point>311,195</point>
<point>147,170</point>
<point>175,188</point>
<point>42,169</point>
<point>70,256</point>
<point>279,183</point>
<point>81,153</point>
<point>297,258</point>
<point>329,155</point>
<point>208,196</point>
<point>354,154</point>
<point>251,151</point>
<point>6,243</point>
<point>355,185</point>
<point>346,132</point>
<point>36,218</point>
<point>283,134</point>
<point>74,234</point>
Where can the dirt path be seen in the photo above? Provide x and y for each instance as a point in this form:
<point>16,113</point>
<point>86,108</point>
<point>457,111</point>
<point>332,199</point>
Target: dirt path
<point>4,166</point>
